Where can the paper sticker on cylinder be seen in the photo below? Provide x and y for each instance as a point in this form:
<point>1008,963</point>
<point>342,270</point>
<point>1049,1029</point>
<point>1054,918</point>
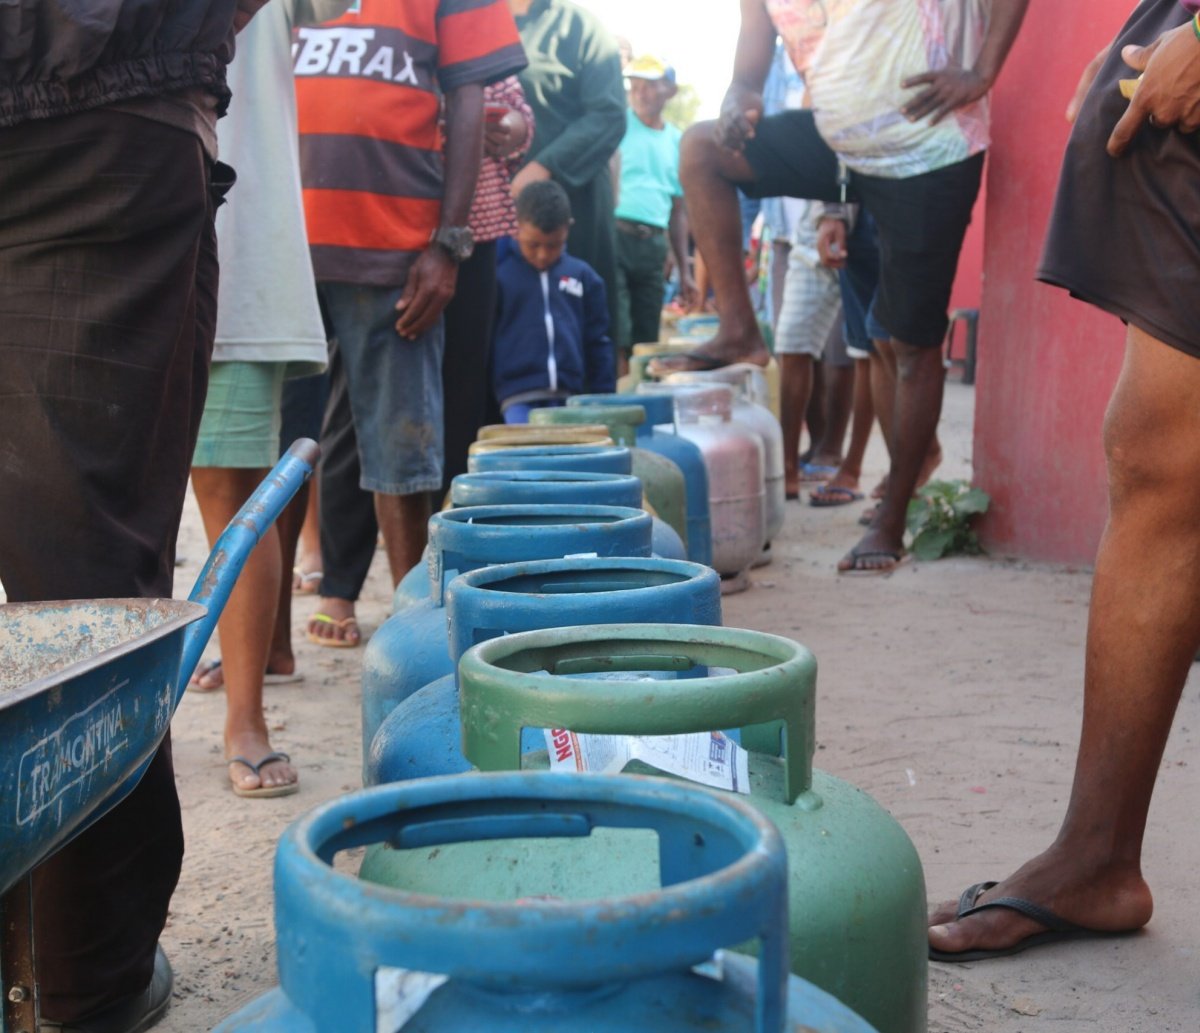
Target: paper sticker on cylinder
<point>710,758</point>
<point>400,994</point>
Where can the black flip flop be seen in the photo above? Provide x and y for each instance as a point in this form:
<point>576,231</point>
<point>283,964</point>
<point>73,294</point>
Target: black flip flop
<point>287,789</point>
<point>702,363</point>
<point>1058,929</point>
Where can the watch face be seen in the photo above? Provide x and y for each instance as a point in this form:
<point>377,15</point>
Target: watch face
<point>457,240</point>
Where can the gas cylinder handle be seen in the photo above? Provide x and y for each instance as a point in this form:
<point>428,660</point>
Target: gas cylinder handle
<point>459,539</point>
<point>723,874</point>
<point>519,681</point>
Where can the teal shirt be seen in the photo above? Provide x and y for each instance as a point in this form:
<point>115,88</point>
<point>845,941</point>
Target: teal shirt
<point>649,172</point>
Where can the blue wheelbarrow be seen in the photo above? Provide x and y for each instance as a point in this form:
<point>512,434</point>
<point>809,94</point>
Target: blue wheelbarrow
<point>87,692</point>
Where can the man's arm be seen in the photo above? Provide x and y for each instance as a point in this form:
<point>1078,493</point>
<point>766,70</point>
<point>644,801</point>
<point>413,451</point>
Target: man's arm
<point>431,280</point>
<point>742,107</point>
<point>949,89</point>
<point>677,230</point>
<point>245,10</point>
<point>584,148</point>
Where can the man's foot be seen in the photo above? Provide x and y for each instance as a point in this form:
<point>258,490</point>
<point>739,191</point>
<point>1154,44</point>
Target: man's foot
<point>334,625</point>
<point>874,554</point>
<point>257,770</point>
<point>720,351</point>
<point>817,473</point>
<point>210,675</point>
<point>134,1015</point>
<point>1058,887</point>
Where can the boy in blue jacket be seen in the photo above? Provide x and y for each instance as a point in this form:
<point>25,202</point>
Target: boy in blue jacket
<point>551,339</point>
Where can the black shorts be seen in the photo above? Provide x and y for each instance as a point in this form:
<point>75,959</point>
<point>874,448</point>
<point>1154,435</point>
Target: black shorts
<point>1125,232</point>
<point>921,220</point>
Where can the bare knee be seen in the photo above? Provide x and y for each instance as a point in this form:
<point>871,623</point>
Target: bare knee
<point>701,158</point>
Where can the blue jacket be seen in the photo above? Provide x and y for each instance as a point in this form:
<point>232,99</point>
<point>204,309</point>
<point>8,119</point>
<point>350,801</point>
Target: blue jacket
<point>551,328</point>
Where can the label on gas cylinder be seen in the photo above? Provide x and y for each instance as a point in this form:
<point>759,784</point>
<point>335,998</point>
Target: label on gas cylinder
<point>710,758</point>
<point>399,994</point>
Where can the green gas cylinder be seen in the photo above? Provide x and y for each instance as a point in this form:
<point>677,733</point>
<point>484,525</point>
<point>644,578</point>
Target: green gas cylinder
<point>517,435</point>
<point>856,889</point>
<point>662,480</point>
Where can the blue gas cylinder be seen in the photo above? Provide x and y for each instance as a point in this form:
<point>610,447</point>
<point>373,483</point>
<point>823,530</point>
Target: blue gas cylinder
<point>582,458</point>
<point>658,434</point>
<point>526,488</point>
<point>358,958</point>
<point>422,736</point>
<point>410,648</point>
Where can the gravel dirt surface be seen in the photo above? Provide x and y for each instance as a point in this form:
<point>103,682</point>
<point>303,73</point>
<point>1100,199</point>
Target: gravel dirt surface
<point>950,691</point>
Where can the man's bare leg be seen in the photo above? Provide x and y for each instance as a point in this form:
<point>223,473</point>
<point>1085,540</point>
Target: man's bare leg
<point>306,557</point>
<point>245,626</point>
<point>861,421</point>
<point>288,527</point>
<point>836,400</point>
<point>795,386</point>
<point>404,521</point>
<point>1143,632</point>
<point>709,175</point>
<point>920,379</point>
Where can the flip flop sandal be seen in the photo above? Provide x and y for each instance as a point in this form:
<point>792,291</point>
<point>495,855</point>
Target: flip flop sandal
<point>698,363</point>
<point>897,558</point>
<point>204,668</point>
<point>826,496</point>
<point>334,643</point>
<point>1057,929</point>
<point>283,679</point>
<point>262,791</point>
<point>813,472</point>
<point>309,581</point>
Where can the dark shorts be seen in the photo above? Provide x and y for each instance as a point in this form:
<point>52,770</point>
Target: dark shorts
<point>1125,232</point>
<point>921,220</point>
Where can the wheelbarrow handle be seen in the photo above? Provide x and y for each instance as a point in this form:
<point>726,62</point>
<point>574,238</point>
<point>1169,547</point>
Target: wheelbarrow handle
<point>237,541</point>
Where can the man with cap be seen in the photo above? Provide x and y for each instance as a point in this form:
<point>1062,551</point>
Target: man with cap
<point>649,205</point>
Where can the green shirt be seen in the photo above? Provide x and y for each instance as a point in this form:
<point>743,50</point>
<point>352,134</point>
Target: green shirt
<point>574,85</point>
<point>649,172</point>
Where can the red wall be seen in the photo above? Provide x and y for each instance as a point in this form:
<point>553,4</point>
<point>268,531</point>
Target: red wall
<point>1047,363</point>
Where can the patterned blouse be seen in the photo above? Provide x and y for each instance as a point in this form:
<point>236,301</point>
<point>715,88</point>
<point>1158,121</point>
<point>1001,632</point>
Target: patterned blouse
<point>493,214</point>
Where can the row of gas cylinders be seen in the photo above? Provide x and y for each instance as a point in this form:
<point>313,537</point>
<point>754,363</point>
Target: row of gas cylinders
<point>548,627</point>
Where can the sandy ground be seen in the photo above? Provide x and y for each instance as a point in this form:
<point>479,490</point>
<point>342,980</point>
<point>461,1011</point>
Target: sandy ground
<point>949,691</point>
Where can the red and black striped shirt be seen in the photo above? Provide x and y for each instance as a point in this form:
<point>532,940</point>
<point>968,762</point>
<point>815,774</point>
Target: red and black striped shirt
<point>369,87</point>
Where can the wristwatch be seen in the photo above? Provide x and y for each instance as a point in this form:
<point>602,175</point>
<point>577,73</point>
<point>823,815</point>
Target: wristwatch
<point>457,241</point>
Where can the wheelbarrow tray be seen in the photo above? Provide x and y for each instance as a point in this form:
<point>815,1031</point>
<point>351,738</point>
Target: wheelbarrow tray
<point>87,690</point>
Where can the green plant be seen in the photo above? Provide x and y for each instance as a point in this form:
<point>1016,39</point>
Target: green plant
<point>939,519</point>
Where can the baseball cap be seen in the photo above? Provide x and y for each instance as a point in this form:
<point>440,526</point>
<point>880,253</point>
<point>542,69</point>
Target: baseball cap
<point>647,67</point>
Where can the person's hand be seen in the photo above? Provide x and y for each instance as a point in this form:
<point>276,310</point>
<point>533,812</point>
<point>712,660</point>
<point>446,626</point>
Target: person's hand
<point>1085,83</point>
<point>948,89</point>
<point>533,172</point>
<point>245,10</point>
<point>741,111</point>
<point>688,294</point>
<point>429,289</point>
<point>1169,93</point>
<point>505,137</point>
<point>831,243</point>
